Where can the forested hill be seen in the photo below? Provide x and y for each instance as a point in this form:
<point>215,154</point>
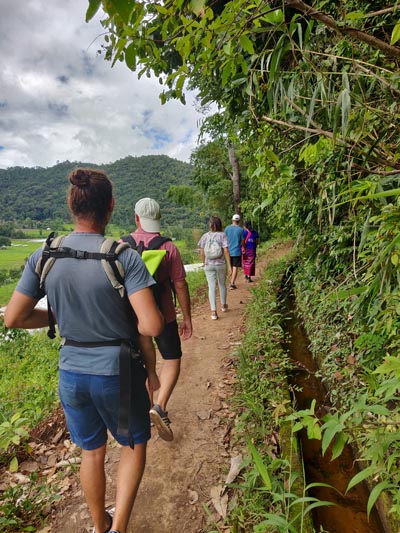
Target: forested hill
<point>39,194</point>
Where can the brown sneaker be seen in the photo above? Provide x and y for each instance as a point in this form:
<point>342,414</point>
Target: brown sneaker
<point>162,422</point>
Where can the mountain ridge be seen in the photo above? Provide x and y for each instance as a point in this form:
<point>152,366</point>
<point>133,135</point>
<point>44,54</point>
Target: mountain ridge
<point>39,193</point>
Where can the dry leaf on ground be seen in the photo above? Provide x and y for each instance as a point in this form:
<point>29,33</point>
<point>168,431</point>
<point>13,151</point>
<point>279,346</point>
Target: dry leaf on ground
<point>220,502</point>
<point>236,466</point>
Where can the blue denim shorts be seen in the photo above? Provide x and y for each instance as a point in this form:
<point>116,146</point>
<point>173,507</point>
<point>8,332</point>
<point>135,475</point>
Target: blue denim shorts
<point>91,405</point>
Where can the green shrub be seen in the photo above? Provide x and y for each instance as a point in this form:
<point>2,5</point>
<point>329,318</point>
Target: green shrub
<point>28,384</point>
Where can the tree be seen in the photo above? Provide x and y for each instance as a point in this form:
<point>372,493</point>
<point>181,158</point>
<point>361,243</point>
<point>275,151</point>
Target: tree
<point>235,177</point>
<point>311,90</point>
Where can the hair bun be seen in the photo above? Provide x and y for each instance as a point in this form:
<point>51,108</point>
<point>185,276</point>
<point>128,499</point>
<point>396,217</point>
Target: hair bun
<point>80,177</point>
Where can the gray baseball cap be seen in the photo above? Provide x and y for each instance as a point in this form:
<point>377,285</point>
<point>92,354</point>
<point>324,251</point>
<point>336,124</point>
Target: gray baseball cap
<point>149,213</point>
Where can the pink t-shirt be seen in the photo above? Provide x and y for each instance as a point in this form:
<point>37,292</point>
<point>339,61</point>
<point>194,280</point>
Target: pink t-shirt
<point>171,268</point>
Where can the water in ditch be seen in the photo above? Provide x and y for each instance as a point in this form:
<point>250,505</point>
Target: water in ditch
<point>349,515</point>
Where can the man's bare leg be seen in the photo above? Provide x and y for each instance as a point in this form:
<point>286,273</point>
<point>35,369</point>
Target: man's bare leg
<point>169,375</point>
<point>158,413</point>
<point>129,475</point>
<point>93,482</point>
<point>234,275</point>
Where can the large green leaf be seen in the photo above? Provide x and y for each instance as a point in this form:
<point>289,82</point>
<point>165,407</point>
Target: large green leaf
<point>395,34</point>
<point>361,476</point>
<point>376,492</point>
<point>260,466</point>
<point>246,44</point>
<point>124,8</point>
<point>94,6</point>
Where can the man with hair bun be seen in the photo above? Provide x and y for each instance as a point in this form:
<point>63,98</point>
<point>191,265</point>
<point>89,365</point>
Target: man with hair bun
<point>97,329</point>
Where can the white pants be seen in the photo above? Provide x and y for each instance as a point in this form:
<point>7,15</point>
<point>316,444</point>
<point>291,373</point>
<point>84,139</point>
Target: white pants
<point>214,272</point>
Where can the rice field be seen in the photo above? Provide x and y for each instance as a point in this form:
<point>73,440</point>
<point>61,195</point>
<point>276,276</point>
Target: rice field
<point>14,256</point>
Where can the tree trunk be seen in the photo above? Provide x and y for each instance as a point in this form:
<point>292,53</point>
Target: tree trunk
<point>235,176</point>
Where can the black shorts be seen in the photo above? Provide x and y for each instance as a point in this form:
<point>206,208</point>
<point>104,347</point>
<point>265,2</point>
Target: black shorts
<point>236,260</point>
<point>169,342</point>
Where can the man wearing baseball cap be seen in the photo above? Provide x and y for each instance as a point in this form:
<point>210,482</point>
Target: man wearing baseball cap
<point>147,219</point>
<point>235,235</point>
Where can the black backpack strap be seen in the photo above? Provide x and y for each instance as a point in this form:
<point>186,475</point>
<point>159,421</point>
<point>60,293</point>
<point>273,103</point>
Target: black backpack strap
<point>130,240</point>
<point>155,244</point>
<point>111,257</point>
<point>51,332</point>
<point>45,252</point>
<point>129,361</point>
<point>157,241</point>
<point>63,252</point>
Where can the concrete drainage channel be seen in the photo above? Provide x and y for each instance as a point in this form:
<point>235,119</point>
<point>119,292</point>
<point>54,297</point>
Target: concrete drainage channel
<point>349,514</point>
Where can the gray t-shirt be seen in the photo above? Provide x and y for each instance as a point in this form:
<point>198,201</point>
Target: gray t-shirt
<point>86,306</point>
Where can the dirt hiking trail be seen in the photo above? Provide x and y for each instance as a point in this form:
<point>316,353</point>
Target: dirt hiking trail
<point>185,475</point>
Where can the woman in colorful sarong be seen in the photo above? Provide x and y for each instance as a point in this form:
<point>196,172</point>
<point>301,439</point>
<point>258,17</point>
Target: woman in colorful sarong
<point>249,247</point>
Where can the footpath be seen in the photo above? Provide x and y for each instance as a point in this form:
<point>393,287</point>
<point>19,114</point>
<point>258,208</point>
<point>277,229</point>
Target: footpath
<point>181,488</point>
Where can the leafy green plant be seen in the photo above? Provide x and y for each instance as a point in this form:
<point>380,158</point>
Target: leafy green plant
<point>306,419</point>
<point>275,480</point>
<point>23,507</point>
<point>372,349</point>
<point>365,400</point>
<point>12,433</point>
<point>270,493</point>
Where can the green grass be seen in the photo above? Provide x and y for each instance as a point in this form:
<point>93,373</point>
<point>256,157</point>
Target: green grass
<point>14,257</point>
<point>196,282</point>
<point>6,292</point>
<point>28,374</point>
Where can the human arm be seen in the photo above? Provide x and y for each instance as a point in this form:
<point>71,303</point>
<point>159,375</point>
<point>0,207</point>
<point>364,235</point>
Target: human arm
<point>246,233</point>
<point>150,321</point>
<point>228,261</point>
<point>177,274</point>
<point>149,358</point>
<point>200,244</point>
<point>21,313</point>
<point>183,295</point>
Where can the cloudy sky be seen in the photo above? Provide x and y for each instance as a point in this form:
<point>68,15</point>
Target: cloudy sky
<point>59,100</point>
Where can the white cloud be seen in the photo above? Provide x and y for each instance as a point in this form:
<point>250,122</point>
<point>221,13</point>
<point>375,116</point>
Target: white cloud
<point>60,100</point>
